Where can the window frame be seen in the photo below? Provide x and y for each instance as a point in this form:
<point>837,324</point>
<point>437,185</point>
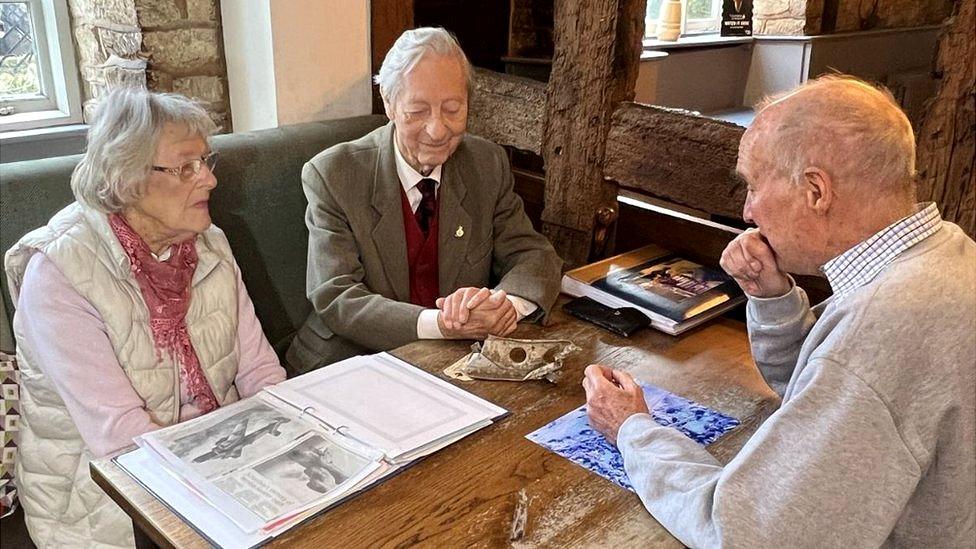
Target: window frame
<point>701,26</point>
<point>691,27</point>
<point>60,99</point>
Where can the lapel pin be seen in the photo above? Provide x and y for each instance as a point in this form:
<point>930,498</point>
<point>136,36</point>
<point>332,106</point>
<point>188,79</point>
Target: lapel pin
<point>459,232</point>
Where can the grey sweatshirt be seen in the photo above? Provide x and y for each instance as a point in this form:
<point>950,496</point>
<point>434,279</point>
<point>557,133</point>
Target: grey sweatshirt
<point>875,442</point>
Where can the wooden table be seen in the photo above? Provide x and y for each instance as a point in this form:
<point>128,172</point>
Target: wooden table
<point>465,495</point>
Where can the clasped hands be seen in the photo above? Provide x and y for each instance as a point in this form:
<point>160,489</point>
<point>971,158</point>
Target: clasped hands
<point>476,313</point>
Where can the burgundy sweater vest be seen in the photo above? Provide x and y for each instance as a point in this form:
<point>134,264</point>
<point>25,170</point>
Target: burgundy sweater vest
<point>421,256</point>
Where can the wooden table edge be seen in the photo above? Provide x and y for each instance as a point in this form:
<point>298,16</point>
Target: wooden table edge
<point>141,523</point>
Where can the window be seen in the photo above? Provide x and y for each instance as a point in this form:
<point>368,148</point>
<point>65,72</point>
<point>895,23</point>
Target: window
<point>38,78</point>
<point>697,16</point>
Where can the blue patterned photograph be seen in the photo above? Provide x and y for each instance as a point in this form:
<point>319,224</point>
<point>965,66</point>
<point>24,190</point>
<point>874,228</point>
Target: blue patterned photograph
<point>572,437</point>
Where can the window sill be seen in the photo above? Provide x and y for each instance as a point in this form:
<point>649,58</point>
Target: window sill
<point>695,41</point>
<point>860,35</point>
<point>740,117</point>
<point>652,55</point>
<point>28,121</point>
<point>42,142</point>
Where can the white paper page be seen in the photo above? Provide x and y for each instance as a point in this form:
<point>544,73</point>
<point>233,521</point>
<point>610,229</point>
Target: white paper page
<point>444,442</point>
<point>213,524</point>
<point>386,403</point>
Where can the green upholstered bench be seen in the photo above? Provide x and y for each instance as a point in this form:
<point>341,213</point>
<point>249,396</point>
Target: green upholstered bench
<point>258,203</point>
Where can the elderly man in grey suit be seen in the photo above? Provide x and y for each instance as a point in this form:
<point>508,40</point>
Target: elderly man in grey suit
<point>415,231</point>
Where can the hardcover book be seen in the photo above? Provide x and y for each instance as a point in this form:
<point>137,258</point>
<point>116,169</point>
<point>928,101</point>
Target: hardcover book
<point>674,293</point>
<point>249,471</point>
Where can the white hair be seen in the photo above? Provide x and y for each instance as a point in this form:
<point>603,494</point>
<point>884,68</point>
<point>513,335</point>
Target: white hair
<point>408,50</point>
<point>122,142</point>
<point>842,124</point>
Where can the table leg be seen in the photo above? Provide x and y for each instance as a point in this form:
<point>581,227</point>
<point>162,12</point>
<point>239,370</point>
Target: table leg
<point>142,540</point>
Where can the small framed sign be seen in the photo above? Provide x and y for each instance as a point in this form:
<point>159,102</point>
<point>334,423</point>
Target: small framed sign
<point>736,17</point>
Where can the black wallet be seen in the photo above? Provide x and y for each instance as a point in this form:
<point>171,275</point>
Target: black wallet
<point>623,321</point>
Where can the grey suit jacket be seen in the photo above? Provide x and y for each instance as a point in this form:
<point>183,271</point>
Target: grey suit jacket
<point>358,278</point>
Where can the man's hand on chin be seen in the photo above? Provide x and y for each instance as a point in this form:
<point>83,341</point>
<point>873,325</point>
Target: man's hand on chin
<point>750,260</point>
<point>612,396</point>
<point>475,313</point>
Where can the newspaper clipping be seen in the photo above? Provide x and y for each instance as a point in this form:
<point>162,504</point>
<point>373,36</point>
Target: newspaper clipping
<point>308,472</point>
<point>217,445</point>
<point>270,463</point>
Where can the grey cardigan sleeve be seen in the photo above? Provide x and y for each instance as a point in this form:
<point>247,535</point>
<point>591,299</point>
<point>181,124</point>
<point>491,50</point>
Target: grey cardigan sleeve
<point>777,327</point>
<point>829,469</point>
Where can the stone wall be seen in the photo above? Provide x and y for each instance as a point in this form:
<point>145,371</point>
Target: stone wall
<point>165,45</point>
<point>811,17</point>
<point>783,17</point>
<point>184,44</point>
<point>109,47</point>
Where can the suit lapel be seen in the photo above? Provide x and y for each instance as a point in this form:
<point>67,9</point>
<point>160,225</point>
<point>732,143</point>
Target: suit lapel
<point>388,234</point>
<point>454,226</point>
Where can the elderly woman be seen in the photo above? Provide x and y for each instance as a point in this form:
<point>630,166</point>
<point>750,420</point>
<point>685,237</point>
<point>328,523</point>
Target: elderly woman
<point>131,313</point>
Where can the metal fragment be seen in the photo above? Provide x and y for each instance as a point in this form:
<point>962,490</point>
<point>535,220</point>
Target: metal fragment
<point>456,370</point>
<point>504,359</point>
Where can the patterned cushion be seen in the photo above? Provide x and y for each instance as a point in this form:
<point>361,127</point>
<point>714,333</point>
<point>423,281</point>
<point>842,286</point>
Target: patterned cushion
<point>9,418</point>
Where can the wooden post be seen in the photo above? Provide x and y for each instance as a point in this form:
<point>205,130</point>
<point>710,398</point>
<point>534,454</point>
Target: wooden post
<point>597,49</point>
<point>947,137</point>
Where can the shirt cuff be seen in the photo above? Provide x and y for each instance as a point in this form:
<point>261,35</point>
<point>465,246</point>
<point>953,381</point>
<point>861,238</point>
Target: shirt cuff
<point>772,310</point>
<point>523,307</point>
<point>427,327</point>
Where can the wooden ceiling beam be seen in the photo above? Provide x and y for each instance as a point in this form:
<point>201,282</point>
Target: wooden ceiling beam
<point>508,110</point>
<point>676,155</point>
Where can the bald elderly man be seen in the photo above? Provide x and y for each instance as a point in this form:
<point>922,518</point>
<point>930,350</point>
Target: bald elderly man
<point>415,230</point>
<point>874,442</point>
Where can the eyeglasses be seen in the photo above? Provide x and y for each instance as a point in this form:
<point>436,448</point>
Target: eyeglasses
<point>190,169</point>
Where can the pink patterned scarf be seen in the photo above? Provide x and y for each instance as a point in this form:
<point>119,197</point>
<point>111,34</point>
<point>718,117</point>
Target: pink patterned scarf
<point>165,287</point>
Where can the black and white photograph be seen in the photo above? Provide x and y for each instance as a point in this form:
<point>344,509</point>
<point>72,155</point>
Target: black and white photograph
<point>312,468</point>
<point>306,473</point>
<point>251,433</point>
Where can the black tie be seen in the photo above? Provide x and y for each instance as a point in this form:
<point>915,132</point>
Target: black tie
<point>428,204</point>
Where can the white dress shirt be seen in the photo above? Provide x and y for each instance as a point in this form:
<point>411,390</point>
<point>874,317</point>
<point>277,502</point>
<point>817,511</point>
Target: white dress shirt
<point>427,321</point>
